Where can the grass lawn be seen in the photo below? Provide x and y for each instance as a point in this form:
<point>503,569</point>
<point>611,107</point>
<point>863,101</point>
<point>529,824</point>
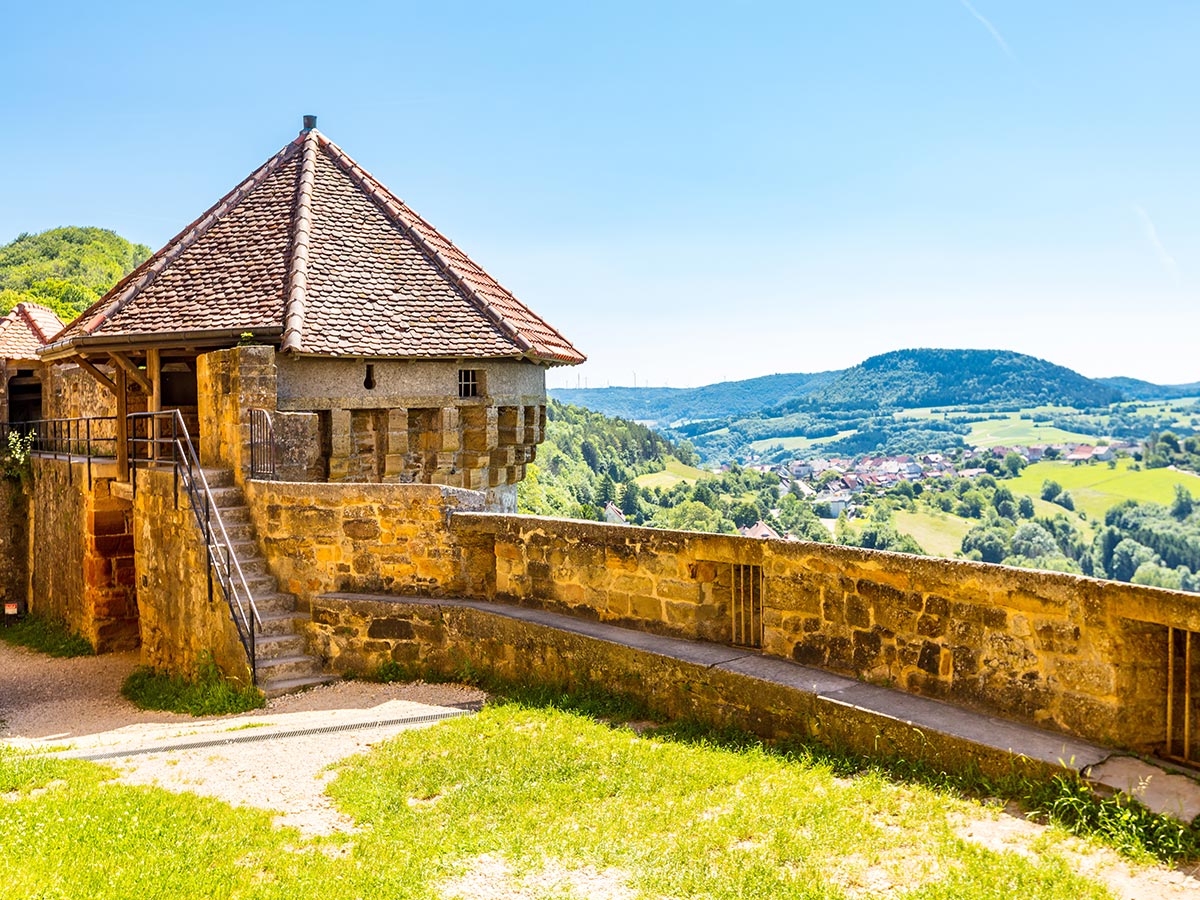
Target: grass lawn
<point>673,474</point>
<point>548,802</point>
<point>1096,487</point>
<point>938,533</point>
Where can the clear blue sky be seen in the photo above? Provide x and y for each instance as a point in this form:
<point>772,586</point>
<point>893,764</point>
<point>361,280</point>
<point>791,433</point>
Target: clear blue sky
<point>691,193</point>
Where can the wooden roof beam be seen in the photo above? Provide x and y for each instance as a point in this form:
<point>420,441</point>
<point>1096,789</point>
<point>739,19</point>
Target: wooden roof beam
<point>97,374</point>
<point>132,370</point>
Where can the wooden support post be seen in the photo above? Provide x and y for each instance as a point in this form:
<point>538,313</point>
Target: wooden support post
<point>122,424</point>
<point>154,376</point>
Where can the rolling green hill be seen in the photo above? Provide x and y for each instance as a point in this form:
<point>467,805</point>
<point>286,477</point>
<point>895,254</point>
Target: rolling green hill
<point>66,269</point>
<point>908,378</point>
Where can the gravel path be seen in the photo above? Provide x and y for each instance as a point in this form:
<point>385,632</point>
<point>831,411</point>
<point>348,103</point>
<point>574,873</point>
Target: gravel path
<point>47,702</point>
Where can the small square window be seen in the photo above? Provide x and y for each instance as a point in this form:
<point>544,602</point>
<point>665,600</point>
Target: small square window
<point>468,383</point>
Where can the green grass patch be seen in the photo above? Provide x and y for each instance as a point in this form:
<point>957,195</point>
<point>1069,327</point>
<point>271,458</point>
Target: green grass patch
<point>537,784</point>
<point>674,473</point>
<point>1015,430</point>
<point>1096,488</point>
<point>939,533</point>
<point>46,636</point>
<point>208,694</point>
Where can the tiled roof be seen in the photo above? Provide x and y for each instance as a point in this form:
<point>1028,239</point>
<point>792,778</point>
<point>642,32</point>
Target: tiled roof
<point>313,249</point>
<point>27,327</point>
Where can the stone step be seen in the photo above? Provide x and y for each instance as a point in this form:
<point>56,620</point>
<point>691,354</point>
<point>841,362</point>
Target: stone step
<point>251,564</point>
<point>261,585</point>
<point>277,687</point>
<point>277,646</point>
<point>279,623</point>
<point>240,532</point>
<point>235,517</point>
<point>274,602</point>
<point>227,497</point>
<point>218,477</point>
<point>298,665</point>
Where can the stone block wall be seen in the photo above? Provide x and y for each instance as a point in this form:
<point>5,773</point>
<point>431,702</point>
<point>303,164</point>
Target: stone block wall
<point>389,538</point>
<point>81,555</point>
<point>14,541</point>
<point>1075,654</point>
<point>179,621</point>
<point>229,384</point>
<point>359,635</point>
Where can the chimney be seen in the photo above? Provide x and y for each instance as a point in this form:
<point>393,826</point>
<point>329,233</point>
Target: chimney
<point>310,122</point>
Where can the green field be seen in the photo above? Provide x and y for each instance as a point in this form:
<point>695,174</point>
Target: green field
<point>673,474</point>
<point>1095,488</point>
<point>1015,430</point>
<point>938,533</point>
<point>797,442</point>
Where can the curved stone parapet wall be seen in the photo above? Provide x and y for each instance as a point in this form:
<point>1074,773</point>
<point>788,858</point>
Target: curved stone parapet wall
<point>1082,656</point>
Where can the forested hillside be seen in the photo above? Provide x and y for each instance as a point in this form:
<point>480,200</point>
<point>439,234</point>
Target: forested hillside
<point>913,378</point>
<point>589,460</point>
<point>66,269</point>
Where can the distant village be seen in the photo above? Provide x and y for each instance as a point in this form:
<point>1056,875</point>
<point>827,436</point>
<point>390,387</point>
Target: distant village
<point>832,485</point>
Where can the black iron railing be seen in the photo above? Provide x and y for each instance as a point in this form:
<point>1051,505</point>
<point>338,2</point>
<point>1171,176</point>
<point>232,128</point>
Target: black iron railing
<point>262,445</point>
<point>78,438</point>
<point>160,439</point>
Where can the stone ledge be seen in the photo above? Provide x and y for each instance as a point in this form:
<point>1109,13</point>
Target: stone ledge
<point>816,692</point>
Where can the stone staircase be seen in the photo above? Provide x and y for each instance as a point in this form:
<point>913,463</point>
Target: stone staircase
<point>282,663</point>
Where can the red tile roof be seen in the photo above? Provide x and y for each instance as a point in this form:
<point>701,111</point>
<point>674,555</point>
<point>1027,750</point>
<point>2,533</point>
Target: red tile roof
<point>26,328</point>
<point>312,249</point>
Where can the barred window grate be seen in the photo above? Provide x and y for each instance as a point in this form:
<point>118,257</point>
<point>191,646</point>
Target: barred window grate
<point>468,383</point>
<point>1183,694</point>
<point>747,605</point>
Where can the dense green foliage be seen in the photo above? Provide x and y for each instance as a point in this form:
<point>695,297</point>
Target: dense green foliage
<point>208,694</point>
<point>589,460</point>
<point>66,269</point>
<point>45,636</point>
<point>586,461</point>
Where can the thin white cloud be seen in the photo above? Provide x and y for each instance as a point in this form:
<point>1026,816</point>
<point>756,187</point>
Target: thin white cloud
<point>1151,233</point>
<point>990,27</point>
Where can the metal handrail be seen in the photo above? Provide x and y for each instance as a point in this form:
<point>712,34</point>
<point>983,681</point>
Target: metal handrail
<point>262,444</point>
<point>186,465</point>
<point>65,438</point>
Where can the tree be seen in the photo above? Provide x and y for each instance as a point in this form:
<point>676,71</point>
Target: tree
<point>630,501</point>
<point>1065,500</point>
<point>1127,557</point>
<point>991,544</point>
<point>606,491</point>
<point>591,455</point>
<point>1013,463</point>
<point>1025,507</point>
<point>1182,505</point>
<point>1033,540</point>
<point>1050,489</point>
